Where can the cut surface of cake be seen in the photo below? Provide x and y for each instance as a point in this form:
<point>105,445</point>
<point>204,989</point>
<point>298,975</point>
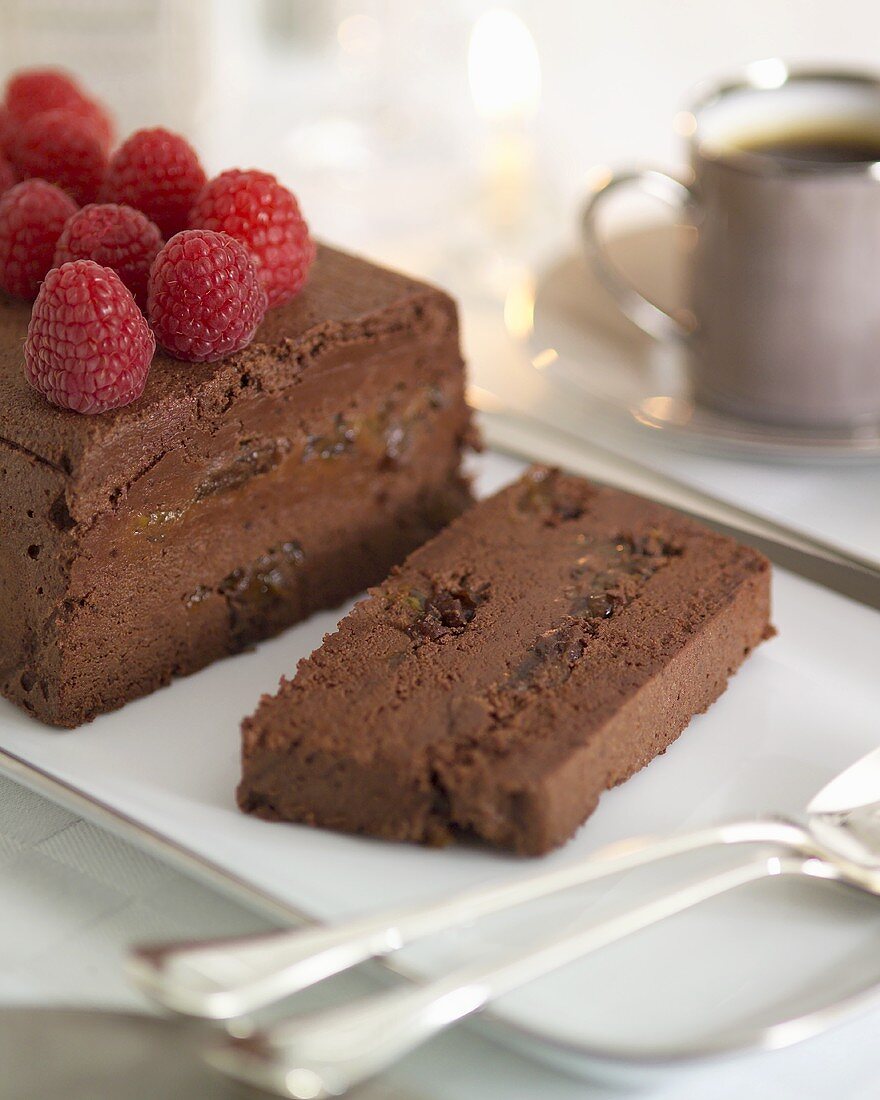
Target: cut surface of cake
<point>543,648</point>
<point>232,499</point>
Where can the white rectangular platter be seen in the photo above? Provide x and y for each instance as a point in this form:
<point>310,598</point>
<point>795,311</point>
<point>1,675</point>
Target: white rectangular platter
<point>804,706</point>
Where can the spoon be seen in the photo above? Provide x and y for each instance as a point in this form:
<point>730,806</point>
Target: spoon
<point>323,1054</point>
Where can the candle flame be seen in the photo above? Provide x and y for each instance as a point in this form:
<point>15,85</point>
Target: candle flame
<point>503,67</point>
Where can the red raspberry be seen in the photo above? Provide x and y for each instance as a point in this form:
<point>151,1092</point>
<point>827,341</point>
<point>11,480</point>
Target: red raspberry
<point>157,172</point>
<point>32,215</point>
<point>206,299</point>
<point>7,176</point>
<point>114,236</point>
<point>101,119</point>
<point>88,345</point>
<point>34,91</point>
<point>64,149</point>
<point>256,209</point>
<point>6,126</point>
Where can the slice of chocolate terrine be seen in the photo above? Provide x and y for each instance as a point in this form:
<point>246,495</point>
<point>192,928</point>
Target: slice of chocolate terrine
<point>232,499</point>
<point>541,649</point>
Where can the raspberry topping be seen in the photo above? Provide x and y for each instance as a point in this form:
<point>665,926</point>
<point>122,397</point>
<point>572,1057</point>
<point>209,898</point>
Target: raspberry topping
<point>88,345</point>
<point>32,215</point>
<point>63,148</point>
<point>206,299</point>
<point>6,125</point>
<point>157,172</point>
<point>101,119</point>
<point>119,237</point>
<point>256,209</point>
<point>7,176</point>
<point>32,91</point>
<point>35,91</point>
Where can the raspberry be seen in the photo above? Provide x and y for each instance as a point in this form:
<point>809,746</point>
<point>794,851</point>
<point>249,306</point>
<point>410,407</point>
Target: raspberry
<point>7,176</point>
<point>105,128</point>
<point>32,215</point>
<point>118,237</point>
<point>88,345</point>
<point>256,209</point>
<point>34,91</point>
<point>64,149</point>
<point>157,172</point>
<point>206,299</point>
<point>6,126</point>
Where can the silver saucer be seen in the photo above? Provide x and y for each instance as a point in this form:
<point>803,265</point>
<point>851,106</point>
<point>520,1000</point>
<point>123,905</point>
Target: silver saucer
<point>581,341</point>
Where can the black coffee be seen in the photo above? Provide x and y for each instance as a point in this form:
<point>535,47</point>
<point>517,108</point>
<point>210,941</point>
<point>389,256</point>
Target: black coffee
<point>819,147</point>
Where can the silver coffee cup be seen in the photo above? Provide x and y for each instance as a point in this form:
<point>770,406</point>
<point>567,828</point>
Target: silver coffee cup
<point>783,284</point>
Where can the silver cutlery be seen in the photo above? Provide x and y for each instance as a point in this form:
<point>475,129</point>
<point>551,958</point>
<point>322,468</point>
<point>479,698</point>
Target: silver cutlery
<point>225,979</point>
<point>323,1054</point>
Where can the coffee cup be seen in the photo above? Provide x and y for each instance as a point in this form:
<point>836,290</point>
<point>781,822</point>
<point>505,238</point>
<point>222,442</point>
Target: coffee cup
<point>782,317</point>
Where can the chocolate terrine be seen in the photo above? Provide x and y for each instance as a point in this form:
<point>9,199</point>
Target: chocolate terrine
<point>541,649</point>
<point>232,499</point>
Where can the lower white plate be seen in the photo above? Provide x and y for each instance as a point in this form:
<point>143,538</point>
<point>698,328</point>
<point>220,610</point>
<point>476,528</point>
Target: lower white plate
<point>163,771</point>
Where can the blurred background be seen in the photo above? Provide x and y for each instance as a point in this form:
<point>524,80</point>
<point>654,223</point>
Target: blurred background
<point>407,127</point>
<point>459,141</point>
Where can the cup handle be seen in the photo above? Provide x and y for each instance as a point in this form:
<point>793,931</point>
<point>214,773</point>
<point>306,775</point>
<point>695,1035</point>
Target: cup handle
<point>649,317</point>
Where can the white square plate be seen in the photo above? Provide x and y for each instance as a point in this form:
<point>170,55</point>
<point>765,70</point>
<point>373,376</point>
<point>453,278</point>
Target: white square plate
<point>163,770</point>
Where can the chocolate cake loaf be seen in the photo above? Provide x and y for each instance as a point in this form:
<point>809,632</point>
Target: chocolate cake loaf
<point>232,499</point>
<point>541,649</point>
